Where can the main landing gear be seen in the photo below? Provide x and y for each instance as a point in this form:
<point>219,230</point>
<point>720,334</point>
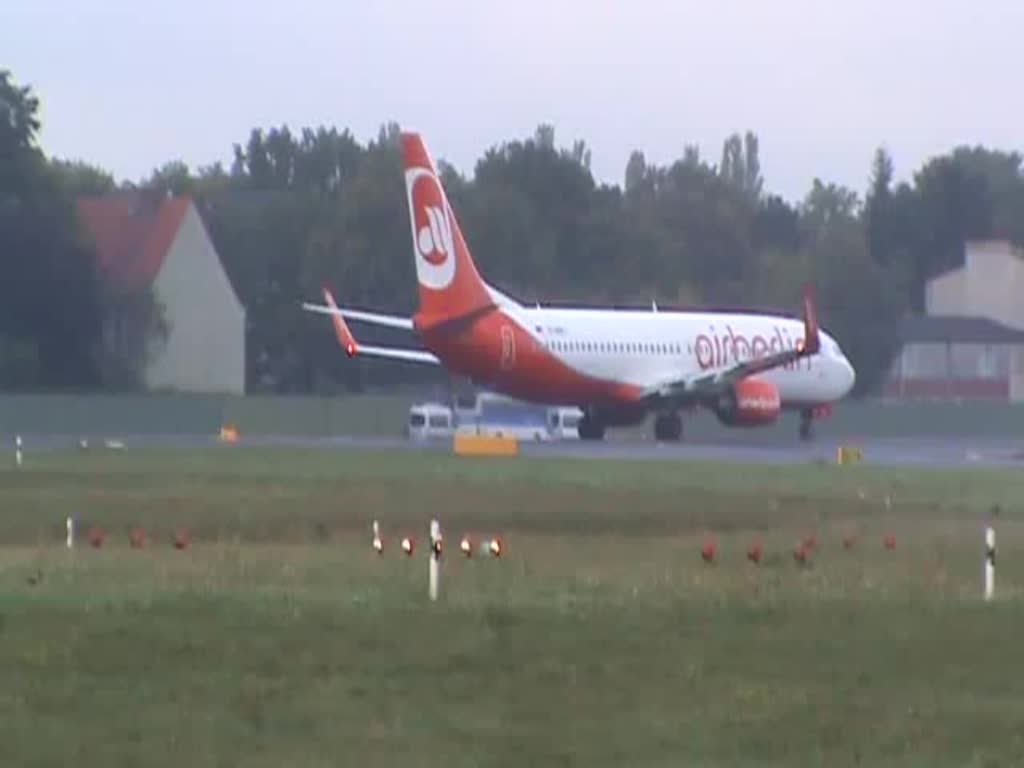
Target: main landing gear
<point>668,427</point>
<point>590,427</point>
<point>807,424</point>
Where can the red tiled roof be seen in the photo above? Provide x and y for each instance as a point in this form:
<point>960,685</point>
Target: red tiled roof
<point>132,233</point>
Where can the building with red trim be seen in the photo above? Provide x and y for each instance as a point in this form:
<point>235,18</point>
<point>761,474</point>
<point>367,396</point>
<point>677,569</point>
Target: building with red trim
<point>970,342</point>
<point>146,241</point>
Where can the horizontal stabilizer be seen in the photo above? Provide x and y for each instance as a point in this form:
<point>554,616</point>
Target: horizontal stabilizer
<point>374,318</point>
<point>393,353</point>
<point>352,347</point>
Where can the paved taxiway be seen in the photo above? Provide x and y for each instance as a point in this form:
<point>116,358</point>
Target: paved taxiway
<point>915,451</point>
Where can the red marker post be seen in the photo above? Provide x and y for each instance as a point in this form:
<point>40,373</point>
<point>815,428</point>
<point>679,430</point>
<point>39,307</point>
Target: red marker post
<point>754,552</point>
<point>707,552</point>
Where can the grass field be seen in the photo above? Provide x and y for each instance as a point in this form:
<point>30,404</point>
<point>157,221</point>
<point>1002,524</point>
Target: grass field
<point>599,639</point>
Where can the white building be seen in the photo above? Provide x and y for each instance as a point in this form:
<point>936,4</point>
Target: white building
<point>990,284</point>
<point>970,342</point>
<point>144,240</point>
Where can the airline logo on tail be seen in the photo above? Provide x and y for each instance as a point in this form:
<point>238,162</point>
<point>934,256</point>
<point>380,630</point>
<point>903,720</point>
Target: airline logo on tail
<point>449,285</point>
<point>432,229</point>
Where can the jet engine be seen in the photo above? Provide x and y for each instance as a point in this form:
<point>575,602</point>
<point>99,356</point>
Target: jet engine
<point>750,403</point>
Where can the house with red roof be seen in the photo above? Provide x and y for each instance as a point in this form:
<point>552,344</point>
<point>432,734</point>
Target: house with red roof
<point>148,241</point>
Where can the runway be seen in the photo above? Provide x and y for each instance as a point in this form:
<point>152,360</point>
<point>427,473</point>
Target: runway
<point>910,451</point>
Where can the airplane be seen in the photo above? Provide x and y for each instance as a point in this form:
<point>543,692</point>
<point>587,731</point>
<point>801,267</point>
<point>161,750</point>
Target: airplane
<point>617,365</point>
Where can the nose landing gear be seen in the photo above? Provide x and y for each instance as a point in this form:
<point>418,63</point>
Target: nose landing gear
<point>668,427</point>
<point>807,424</point>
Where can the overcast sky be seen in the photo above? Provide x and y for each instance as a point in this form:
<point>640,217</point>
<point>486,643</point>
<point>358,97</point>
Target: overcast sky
<point>129,85</point>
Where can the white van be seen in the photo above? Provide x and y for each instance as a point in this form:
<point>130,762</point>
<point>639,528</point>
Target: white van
<point>430,420</point>
<point>563,423</point>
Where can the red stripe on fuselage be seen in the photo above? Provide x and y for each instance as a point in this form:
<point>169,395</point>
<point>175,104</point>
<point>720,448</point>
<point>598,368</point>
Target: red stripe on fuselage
<point>495,350</point>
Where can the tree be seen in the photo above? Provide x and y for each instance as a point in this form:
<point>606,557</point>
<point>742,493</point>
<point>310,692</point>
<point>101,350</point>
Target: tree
<point>953,205</point>
<point>878,210</point>
<point>741,164</point>
<point>776,225</point>
<point>173,178</point>
<point>19,122</point>
<point>860,301</point>
<point>636,172</point>
<point>135,328</point>
<point>49,311</point>
<point>533,200</point>
<point>80,178</point>
<point>1004,185</point>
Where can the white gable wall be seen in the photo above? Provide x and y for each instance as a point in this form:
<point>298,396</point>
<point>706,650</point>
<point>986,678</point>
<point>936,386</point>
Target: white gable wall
<point>995,278</point>
<point>947,294</point>
<point>990,284</point>
<point>205,348</point>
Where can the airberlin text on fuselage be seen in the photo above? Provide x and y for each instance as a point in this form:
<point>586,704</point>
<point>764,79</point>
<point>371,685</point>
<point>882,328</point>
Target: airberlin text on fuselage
<point>714,350</point>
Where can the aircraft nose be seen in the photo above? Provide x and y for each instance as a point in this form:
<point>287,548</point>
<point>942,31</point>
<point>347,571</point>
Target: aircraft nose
<point>847,377</point>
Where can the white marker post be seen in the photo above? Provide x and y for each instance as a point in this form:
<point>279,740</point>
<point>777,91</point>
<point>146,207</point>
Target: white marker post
<point>378,545</point>
<point>71,532</point>
<point>435,558</point>
<point>17,450</point>
<point>990,562</point>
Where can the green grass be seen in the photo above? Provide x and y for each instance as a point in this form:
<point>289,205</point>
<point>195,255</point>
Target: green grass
<point>600,639</point>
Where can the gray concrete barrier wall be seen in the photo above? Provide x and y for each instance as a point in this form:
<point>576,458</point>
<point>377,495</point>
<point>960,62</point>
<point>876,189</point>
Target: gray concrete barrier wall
<point>189,415</point>
<point>112,415</point>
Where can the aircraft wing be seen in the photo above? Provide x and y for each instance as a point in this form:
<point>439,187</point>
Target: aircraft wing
<point>711,383</point>
<point>352,347</point>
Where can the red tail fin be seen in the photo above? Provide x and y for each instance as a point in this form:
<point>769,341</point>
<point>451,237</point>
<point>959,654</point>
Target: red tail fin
<point>449,284</point>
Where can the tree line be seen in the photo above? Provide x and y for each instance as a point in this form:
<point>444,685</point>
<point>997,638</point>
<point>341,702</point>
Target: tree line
<point>295,210</point>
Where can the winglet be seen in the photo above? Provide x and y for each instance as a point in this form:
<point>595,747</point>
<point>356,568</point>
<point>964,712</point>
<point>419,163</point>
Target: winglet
<point>345,337</point>
<point>811,343</point>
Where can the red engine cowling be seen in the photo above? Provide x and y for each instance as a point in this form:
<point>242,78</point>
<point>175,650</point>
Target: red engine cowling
<point>751,403</point>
